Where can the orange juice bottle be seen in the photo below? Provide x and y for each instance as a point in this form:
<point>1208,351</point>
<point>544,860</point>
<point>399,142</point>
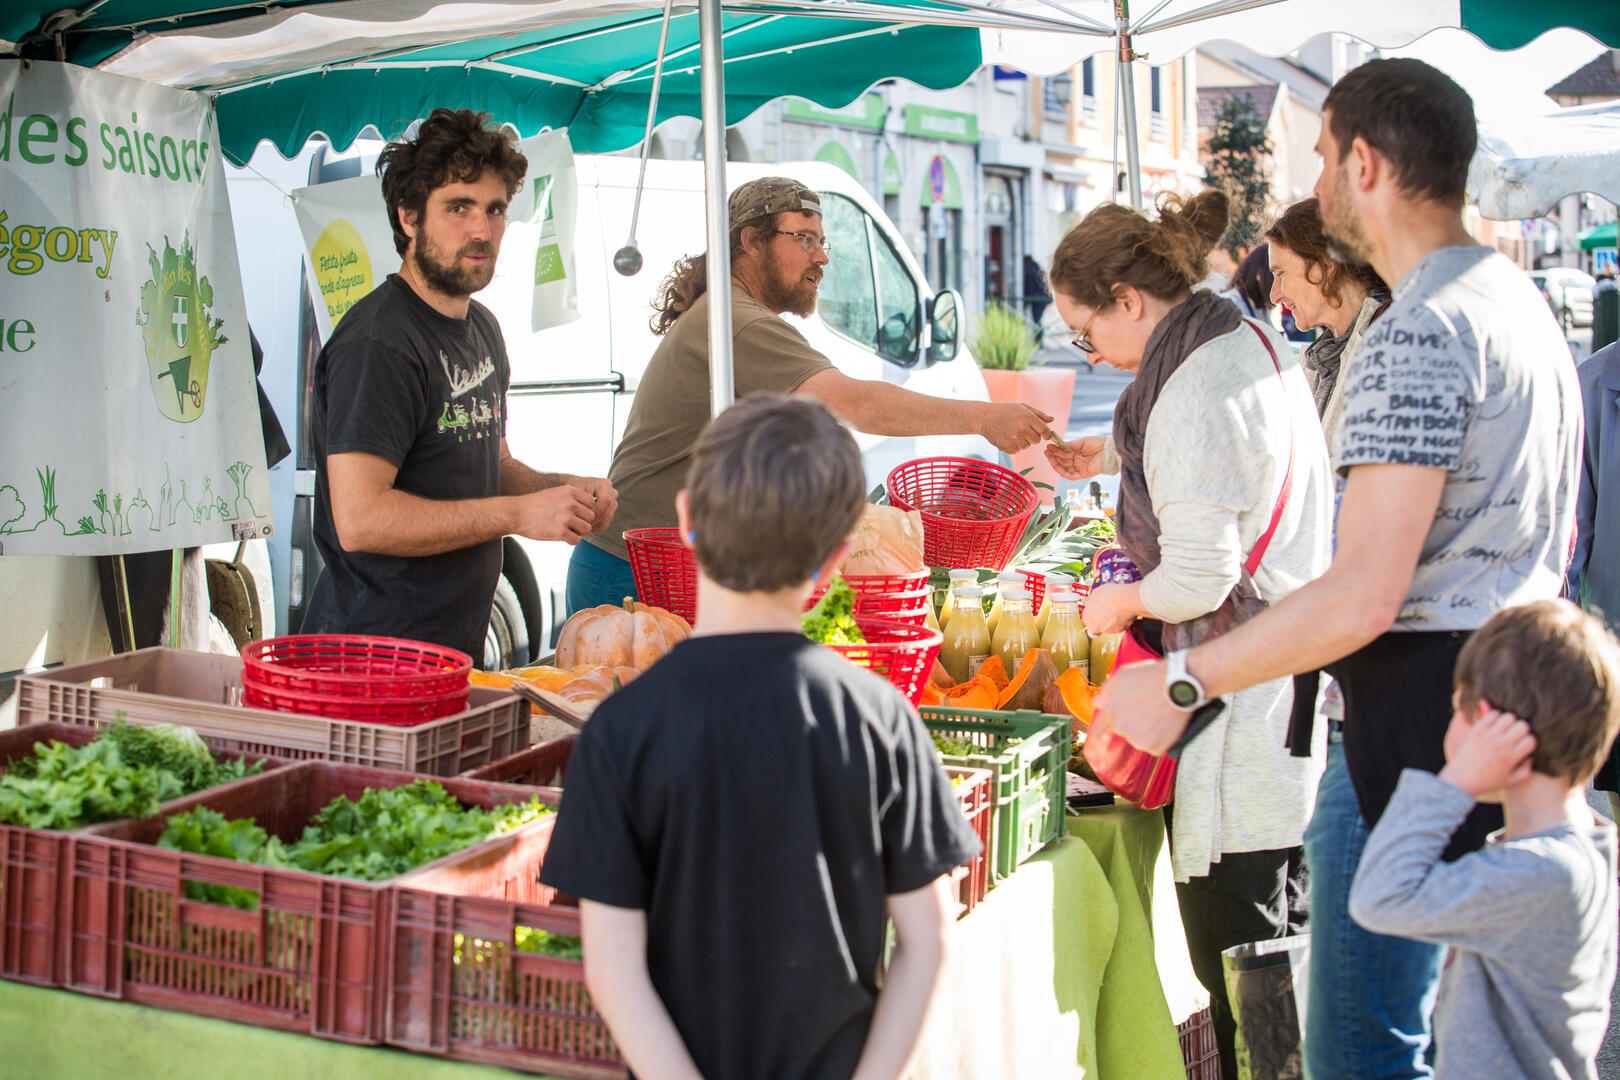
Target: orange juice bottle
<point>959,578</point>
<point>1065,636</point>
<point>967,639</point>
<point>1007,579</point>
<point>1053,581</point>
<point>1015,633</point>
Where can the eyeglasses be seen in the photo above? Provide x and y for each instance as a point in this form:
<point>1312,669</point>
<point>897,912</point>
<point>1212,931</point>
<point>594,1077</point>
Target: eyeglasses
<point>1082,340</point>
<point>810,242</point>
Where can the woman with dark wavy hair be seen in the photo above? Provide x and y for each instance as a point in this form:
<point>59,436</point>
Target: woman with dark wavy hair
<point>1321,290</point>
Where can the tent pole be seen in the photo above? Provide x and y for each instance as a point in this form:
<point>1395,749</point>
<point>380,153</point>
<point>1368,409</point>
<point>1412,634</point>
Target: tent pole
<point>1127,84</point>
<point>718,259</point>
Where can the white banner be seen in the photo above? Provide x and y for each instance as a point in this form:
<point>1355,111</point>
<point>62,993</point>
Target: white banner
<point>350,243</point>
<point>131,420</point>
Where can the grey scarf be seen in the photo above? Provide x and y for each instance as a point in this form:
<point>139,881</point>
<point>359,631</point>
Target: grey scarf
<point>1322,357</point>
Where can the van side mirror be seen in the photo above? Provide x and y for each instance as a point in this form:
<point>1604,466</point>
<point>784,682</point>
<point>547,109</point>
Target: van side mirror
<point>945,326</point>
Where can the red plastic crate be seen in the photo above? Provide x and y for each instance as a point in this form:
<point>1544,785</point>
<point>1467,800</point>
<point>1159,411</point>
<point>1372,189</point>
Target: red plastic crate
<point>1199,1052</point>
<point>973,880</point>
<point>381,680</point>
<point>973,512</point>
<point>900,653</point>
<point>204,692</point>
<point>665,572</point>
<point>31,870</point>
<point>540,766</point>
<point>309,959</point>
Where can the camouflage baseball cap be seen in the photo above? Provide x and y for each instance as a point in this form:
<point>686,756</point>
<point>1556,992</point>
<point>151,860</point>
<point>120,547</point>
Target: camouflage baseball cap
<point>770,195</point>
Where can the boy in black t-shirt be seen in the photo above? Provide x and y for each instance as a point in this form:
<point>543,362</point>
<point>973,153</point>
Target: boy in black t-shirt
<point>739,820</point>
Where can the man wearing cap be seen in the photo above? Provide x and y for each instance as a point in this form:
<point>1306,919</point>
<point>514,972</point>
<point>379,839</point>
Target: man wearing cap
<point>778,250</point>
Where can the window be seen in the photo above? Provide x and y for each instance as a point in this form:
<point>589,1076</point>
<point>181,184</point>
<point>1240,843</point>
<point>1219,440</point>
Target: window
<point>847,302</point>
<point>1056,93</point>
<point>1156,101</point>
<point>867,294</point>
<point>1088,85</point>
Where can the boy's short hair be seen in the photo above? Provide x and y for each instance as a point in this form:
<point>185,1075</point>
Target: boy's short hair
<point>776,484</point>
<point>1558,669</point>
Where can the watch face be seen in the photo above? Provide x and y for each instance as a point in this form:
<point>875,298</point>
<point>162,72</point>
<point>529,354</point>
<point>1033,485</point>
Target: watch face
<point>1183,694</point>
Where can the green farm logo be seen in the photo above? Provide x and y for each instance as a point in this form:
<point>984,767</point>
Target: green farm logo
<point>179,338</point>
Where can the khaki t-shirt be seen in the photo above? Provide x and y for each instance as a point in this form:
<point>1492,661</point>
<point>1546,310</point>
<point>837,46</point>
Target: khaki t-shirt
<point>672,405</point>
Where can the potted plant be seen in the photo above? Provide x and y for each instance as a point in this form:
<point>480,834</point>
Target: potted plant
<point>1005,346</point>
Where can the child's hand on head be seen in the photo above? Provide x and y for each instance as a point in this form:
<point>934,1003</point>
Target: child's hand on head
<point>1488,752</point>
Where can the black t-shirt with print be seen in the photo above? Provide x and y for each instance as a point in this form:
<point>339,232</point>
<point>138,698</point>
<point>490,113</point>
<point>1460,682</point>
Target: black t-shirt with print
<point>428,393</point>
<point>759,797</point>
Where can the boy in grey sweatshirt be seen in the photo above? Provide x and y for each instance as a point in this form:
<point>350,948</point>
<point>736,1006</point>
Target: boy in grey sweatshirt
<point>1530,918</point>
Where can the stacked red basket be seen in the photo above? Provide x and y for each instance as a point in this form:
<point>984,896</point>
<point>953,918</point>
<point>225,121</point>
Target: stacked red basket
<point>901,653</point>
<point>379,680</point>
<point>665,572</point>
<point>904,598</point>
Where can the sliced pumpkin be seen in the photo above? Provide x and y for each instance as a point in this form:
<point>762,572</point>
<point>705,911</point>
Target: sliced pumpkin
<point>1028,684</point>
<point>977,693</point>
<point>1079,696</point>
<point>995,671</point>
<point>932,694</point>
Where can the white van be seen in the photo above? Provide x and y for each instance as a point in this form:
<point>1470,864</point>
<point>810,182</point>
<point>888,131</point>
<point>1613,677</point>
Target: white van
<point>572,385</point>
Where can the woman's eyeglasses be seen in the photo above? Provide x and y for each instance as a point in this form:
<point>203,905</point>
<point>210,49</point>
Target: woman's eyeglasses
<point>1082,340</point>
<point>810,242</point>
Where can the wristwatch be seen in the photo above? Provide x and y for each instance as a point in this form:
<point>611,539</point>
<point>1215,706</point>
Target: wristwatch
<point>1180,685</point>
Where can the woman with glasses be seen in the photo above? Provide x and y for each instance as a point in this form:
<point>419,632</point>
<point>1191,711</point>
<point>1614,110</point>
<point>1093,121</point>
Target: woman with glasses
<point>1220,455</point>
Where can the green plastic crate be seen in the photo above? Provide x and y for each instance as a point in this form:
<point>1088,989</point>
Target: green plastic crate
<point>1029,774</point>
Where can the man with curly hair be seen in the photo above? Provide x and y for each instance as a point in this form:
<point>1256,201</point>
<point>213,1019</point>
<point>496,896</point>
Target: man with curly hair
<point>414,483</point>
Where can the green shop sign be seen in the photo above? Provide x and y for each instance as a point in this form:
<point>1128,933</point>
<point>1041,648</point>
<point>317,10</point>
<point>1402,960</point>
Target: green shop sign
<point>865,111</point>
<point>929,123</point>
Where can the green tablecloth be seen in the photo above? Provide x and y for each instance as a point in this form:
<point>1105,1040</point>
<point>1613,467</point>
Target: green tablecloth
<point>1055,976</point>
<point>1055,972</point>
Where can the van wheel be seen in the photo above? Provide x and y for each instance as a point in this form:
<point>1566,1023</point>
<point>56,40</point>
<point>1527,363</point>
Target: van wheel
<point>506,642</point>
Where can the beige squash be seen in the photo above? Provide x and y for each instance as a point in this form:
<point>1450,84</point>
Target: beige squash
<point>633,635</point>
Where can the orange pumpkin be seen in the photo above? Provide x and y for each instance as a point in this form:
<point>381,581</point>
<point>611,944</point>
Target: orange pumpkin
<point>633,635</point>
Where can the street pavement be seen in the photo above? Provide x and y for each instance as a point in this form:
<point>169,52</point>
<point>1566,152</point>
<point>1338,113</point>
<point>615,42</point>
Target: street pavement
<point>1092,413</point>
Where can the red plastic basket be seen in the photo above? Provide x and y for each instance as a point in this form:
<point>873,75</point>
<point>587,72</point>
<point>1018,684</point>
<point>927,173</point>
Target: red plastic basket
<point>1199,1052</point>
<point>896,597</point>
<point>973,512</point>
<point>352,677</point>
<point>973,879</point>
<point>665,572</point>
<point>900,653</point>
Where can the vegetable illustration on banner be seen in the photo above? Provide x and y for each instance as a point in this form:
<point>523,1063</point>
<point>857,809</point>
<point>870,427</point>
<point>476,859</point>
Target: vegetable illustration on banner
<point>132,418</point>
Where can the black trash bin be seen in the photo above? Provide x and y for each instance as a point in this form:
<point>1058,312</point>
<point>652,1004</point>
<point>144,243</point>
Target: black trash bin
<point>1266,985</point>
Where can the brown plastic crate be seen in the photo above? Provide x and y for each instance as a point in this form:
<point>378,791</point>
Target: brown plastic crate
<point>1199,1053</point>
<point>542,766</point>
<point>204,691</point>
<point>972,880</point>
<point>459,987</point>
<point>31,869</point>
<point>309,959</point>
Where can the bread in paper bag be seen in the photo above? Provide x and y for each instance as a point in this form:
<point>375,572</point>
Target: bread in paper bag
<point>887,541</point>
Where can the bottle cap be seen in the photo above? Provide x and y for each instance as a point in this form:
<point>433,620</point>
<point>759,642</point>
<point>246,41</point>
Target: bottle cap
<point>967,591</point>
<point>1015,594</point>
<point>1009,577</point>
<point>1056,580</point>
<point>964,575</point>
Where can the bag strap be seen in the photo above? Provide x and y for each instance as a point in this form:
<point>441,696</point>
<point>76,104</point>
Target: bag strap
<point>1253,562</point>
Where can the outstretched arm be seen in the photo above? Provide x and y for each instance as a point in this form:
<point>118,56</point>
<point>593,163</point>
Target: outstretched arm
<point>371,515</point>
<point>880,408</point>
<point>518,479</point>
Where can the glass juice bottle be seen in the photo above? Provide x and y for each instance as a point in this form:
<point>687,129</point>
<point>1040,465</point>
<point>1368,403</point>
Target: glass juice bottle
<point>1065,635</point>
<point>1015,634</point>
<point>1007,579</point>
<point>1053,581</point>
<point>1104,647</point>
<point>959,579</point>
<point>967,639</point>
